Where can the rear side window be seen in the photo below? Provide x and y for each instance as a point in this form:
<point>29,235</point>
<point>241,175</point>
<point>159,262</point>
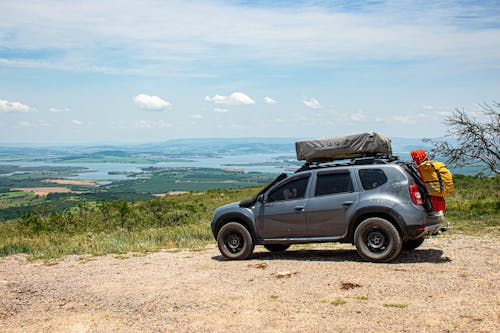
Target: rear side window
<point>296,189</point>
<point>332,183</point>
<point>372,178</point>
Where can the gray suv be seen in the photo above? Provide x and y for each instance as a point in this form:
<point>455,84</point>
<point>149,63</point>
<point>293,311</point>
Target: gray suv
<point>379,205</point>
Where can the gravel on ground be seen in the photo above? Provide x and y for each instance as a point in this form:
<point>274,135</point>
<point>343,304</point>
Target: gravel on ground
<point>449,284</point>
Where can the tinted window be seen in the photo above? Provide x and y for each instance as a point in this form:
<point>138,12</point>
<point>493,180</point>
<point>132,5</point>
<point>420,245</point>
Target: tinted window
<point>296,189</point>
<point>333,183</point>
<point>372,178</point>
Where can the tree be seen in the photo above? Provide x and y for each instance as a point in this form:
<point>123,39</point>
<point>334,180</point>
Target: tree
<point>477,139</point>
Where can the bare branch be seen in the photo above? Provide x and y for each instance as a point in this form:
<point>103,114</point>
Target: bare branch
<point>477,140</point>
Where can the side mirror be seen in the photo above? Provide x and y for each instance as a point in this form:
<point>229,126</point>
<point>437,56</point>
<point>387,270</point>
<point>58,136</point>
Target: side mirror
<point>261,199</point>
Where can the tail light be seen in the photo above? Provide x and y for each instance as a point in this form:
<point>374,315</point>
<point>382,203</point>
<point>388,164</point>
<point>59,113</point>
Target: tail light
<point>415,194</point>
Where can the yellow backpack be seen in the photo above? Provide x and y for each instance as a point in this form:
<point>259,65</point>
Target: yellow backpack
<point>437,178</point>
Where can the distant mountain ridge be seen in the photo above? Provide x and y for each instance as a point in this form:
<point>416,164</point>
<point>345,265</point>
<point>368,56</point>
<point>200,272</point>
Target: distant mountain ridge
<point>190,147</point>
<point>194,146</point>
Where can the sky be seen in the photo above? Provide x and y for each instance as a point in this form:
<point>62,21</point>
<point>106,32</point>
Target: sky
<point>133,71</point>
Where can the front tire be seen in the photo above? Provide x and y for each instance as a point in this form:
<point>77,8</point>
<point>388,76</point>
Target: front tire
<point>412,244</point>
<point>277,247</point>
<point>234,241</point>
<point>377,240</point>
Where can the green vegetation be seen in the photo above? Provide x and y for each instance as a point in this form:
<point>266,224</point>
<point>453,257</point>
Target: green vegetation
<point>14,195</point>
<point>396,305</point>
<point>474,208</point>
<point>97,225</point>
<point>338,302</point>
<point>33,176</point>
<point>189,179</point>
<point>117,226</point>
<point>150,181</point>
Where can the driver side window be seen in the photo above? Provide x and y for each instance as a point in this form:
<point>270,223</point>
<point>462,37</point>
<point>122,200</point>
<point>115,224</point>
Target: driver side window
<point>296,189</point>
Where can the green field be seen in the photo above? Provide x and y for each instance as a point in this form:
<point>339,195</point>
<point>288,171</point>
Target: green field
<point>14,195</point>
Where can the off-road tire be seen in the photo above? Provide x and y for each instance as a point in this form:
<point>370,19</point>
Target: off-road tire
<point>235,241</point>
<point>377,240</point>
<point>277,247</point>
<point>412,244</point>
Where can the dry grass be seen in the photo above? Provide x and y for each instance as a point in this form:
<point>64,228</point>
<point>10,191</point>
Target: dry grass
<point>43,191</point>
<point>85,182</point>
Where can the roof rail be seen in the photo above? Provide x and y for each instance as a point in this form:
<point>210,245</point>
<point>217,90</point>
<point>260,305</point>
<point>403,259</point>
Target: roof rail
<point>364,160</point>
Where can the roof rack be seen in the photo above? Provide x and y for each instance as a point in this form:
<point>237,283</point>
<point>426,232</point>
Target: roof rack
<point>364,160</point>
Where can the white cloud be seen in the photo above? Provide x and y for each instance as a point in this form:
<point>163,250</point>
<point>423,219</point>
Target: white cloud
<point>236,98</point>
<point>304,32</point>
<point>312,103</point>
<point>25,124</point>
<point>269,100</point>
<point>58,110</point>
<point>357,116</point>
<point>153,124</point>
<point>153,103</point>
<point>220,110</point>
<point>77,122</point>
<point>39,123</point>
<point>405,120</point>
<point>6,106</point>
<point>197,116</point>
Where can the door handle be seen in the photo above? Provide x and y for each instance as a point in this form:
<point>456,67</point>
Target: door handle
<point>347,203</point>
<point>300,208</point>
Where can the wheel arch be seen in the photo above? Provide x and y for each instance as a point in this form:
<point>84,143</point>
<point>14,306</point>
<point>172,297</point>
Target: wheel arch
<point>382,212</point>
<point>234,217</point>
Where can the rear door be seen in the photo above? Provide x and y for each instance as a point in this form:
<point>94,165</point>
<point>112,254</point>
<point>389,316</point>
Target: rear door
<point>283,213</point>
<point>333,196</point>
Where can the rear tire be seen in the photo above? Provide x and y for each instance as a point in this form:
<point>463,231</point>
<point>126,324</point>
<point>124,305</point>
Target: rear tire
<point>412,244</point>
<point>277,247</point>
<point>377,240</point>
<point>234,241</point>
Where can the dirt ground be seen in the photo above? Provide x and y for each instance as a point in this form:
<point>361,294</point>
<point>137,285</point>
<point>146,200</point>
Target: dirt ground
<point>450,284</point>
<point>86,182</point>
<point>43,191</point>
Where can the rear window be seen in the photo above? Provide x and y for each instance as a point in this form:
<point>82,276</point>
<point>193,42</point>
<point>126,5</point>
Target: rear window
<point>372,178</point>
<point>333,183</point>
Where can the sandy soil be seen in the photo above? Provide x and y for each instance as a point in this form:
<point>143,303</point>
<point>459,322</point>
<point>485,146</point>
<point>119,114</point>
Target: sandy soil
<point>161,195</point>
<point>42,191</point>
<point>450,284</point>
<point>86,182</point>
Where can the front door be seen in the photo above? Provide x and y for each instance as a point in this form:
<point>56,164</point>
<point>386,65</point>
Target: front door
<point>329,206</point>
<point>283,213</point>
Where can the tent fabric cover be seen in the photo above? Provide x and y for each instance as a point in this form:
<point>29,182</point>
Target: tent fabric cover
<point>342,147</point>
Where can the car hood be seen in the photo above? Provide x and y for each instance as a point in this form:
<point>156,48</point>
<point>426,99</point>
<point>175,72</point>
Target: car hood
<point>228,206</point>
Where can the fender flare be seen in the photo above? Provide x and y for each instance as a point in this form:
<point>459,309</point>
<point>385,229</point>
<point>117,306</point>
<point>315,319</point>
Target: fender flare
<point>234,217</point>
<point>376,211</point>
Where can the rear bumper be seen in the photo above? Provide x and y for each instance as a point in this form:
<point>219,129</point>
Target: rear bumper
<point>434,225</point>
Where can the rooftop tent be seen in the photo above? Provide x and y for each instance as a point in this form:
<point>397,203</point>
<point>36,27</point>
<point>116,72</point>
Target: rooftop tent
<point>343,147</point>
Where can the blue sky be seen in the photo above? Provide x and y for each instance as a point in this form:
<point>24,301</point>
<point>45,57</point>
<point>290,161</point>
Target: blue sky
<point>129,71</point>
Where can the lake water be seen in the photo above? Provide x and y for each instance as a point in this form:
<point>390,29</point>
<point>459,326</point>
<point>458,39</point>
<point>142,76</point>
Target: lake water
<point>100,171</point>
